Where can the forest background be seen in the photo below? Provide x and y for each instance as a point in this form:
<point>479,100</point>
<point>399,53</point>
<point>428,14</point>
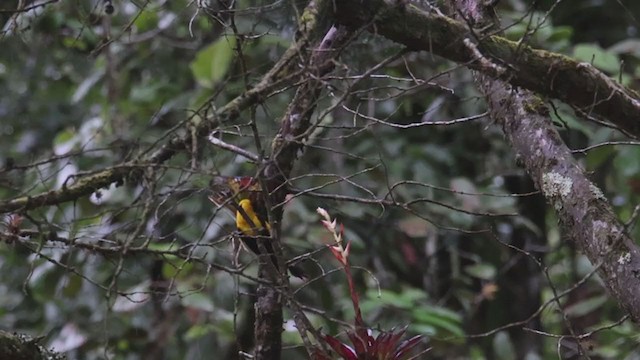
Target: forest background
<point>492,222</point>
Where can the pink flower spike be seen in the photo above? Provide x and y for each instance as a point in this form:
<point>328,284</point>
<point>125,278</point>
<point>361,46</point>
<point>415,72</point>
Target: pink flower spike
<point>347,250</point>
<point>337,253</point>
<point>322,212</point>
<point>326,224</point>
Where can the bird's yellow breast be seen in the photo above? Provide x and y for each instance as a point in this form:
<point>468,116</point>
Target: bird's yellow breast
<point>250,224</point>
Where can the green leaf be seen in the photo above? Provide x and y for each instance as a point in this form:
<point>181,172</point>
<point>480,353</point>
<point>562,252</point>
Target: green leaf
<point>516,31</point>
<point>586,306</point>
<point>175,266</point>
<point>627,163</point>
<point>423,329</point>
<point>597,56</point>
<point>439,318</point>
<point>198,331</point>
<point>395,299</point>
<point>503,346</point>
<point>599,156</point>
<point>481,271</point>
<point>144,92</point>
<point>561,33</point>
<point>212,63</point>
<point>565,117</point>
<point>64,141</point>
<point>72,286</point>
<point>147,20</point>
<point>198,301</point>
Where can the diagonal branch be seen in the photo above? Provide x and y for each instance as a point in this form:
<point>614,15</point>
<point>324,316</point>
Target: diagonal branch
<point>578,84</point>
<point>583,210</point>
<point>281,74</point>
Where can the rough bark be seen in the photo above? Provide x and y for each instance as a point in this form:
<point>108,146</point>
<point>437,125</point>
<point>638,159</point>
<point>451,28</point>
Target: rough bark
<point>16,347</point>
<point>554,75</point>
<point>285,148</point>
<point>269,319</point>
<point>584,212</point>
<point>287,144</point>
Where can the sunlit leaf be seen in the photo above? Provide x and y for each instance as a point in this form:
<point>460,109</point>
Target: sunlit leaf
<point>594,54</point>
<point>586,306</point>
<point>212,63</point>
<point>146,20</point>
<point>483,271</point>
<point>73,286</point>
<point>439,318</point>
<point>199,301</point>
<point>64,141</point>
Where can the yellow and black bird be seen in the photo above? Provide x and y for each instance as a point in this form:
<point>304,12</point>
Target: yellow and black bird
<point>243,196</point>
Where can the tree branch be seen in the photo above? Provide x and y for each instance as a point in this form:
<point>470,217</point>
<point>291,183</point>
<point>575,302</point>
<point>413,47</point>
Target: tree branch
<point>317,62</point>
<point>577,84</point>
<point>280,75</point>
<point>584,212</point>
<point>284,150</point>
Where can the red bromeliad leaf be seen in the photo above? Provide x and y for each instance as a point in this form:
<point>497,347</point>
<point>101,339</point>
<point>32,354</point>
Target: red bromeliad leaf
<point>358,343</point>
<point>341,349</point>
<point>361,340</point>
<point>395,337</point>
<point>383,345</point>
<point>406,346</point>
<point>376,347</point>
<point>392,342</point>
<point>386,346</point>
<point>320,355</point>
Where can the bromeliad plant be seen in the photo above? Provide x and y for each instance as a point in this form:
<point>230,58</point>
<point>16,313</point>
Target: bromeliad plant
<point>385,346</point>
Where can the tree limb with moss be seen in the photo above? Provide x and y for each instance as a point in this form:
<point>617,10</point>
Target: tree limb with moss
<point>589,91</point>
<point>584,212</point>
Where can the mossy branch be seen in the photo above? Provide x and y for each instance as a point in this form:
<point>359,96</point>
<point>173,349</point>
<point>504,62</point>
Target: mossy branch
<point>19,347</point>
<point>585,214</point>
<point>550,74</point>
<point>278,76</point>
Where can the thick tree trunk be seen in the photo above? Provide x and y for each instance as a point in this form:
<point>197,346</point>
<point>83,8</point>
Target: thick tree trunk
<point>583,210</point>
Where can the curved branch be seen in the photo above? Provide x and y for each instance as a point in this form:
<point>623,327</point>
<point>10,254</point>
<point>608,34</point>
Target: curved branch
<point>279,75</point>
<point>83,187</point>
<point>578,84</point>
<point>585,214</point>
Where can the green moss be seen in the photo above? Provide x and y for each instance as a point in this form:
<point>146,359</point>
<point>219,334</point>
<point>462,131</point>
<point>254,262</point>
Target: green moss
<point>307,20</point>
<point>536,105</point>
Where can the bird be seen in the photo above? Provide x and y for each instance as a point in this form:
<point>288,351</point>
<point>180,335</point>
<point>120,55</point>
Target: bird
<point>243,196</point>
